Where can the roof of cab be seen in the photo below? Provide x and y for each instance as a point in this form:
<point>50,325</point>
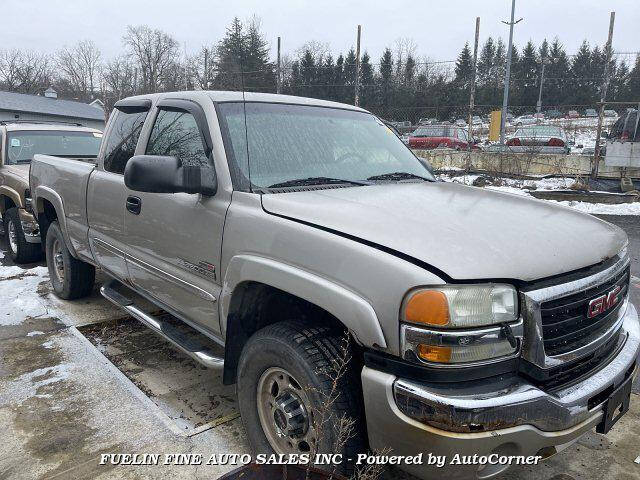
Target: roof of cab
<point>230,96</point>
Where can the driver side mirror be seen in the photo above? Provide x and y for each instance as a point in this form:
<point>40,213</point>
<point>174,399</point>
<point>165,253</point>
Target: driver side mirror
<point>164,174</point>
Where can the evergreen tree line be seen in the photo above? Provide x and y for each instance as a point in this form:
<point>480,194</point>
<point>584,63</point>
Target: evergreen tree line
<point>398,86</point>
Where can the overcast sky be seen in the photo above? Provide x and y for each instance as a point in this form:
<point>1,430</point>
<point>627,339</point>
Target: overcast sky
<point>439,28</point>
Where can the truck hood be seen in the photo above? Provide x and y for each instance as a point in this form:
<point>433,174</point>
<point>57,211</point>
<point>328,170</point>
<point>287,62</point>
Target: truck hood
<point>466,232</point>
<point>20,171</point>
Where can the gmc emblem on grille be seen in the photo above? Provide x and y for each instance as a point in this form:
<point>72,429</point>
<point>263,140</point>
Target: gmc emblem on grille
<point>603,303</point>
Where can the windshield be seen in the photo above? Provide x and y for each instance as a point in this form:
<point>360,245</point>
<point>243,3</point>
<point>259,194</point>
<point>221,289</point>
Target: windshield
<point>23,145</point>
<point>433,132</point>
<point>292,142</point>
<point>540,131</point>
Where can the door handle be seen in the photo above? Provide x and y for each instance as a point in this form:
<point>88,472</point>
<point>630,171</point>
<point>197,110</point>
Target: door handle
<point>134,205</point>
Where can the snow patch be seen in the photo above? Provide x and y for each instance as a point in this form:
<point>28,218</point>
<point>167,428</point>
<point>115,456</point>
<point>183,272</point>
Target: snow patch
<point>18,294</point>
<point>34,333</point>
<point>552,183</point>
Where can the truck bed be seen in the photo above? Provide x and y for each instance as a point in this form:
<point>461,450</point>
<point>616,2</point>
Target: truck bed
<point>66,180</point>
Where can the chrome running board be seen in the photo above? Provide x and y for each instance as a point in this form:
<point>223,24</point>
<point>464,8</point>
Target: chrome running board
<point>187,339</point>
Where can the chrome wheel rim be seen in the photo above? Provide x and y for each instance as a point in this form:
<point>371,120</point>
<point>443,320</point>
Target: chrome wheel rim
<point>285,413</point>
<point>13,236</point>
<point>58,260</point>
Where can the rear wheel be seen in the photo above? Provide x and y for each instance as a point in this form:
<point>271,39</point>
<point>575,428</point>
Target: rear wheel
<point>70,278</point>
<point>290,399</point>
<point>19,249</point>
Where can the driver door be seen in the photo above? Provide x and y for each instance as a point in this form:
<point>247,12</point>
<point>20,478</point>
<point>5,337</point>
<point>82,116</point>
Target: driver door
<point>175,239</point>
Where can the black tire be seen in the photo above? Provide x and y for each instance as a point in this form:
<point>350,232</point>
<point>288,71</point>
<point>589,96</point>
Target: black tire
<point>25,252</point>
<point>78,277</point>
<point>307,352</point>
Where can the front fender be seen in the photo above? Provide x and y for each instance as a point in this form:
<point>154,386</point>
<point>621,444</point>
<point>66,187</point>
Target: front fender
<point>11,193</point>
<point>348,307</point>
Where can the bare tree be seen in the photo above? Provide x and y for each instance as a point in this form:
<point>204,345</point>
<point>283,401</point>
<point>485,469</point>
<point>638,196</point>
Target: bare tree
<point>80,67</point>
<point>24,71</point>
<point>119,80</point>
<point>155,54</point>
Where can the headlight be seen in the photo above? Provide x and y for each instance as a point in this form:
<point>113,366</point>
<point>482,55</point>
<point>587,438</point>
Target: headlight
<point>461,306</point>
<point>461,324</point>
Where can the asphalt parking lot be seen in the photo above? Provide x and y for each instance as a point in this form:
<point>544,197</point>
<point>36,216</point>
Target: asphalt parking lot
<point>78,379</point>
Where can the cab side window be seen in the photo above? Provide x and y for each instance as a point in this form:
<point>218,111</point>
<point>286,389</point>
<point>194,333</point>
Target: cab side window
<point>176,134</point>
<point>122,139</point>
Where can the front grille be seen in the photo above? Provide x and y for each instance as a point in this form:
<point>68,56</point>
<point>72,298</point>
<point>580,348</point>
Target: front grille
<point>565,325</point>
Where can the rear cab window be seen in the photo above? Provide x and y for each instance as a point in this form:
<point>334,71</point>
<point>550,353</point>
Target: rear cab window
<point>22,145</point>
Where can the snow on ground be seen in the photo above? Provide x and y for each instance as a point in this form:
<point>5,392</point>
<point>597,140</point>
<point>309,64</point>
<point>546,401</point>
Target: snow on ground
<point>553,183</point>
<point>17,286</point>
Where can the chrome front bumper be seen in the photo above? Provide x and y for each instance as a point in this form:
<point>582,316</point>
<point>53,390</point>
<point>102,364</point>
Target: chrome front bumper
<point>511,417</point>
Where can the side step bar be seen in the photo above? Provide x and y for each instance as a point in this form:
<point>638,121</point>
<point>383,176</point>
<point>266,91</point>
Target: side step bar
<point>191,342</point>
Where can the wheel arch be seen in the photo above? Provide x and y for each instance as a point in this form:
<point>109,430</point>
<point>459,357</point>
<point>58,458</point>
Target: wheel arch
<point>48,206</point>
<point>9,198</point>
<point>258,291</point>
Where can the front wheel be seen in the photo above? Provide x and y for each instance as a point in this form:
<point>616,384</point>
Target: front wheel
<point>70,278</point>
<point>299,393</point>
<point>20,250</point>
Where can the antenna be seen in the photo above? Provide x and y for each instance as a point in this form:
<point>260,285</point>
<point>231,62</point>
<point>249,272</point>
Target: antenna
<point>244,111</point>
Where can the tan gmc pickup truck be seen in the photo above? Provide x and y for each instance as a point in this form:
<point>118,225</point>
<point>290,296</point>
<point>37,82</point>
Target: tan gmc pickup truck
<point>19,142</point>
<point>298,245</point>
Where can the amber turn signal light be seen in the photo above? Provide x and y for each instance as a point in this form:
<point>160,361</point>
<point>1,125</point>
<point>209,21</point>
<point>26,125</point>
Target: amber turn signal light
<point>429,307</point>
<point>434,353</point>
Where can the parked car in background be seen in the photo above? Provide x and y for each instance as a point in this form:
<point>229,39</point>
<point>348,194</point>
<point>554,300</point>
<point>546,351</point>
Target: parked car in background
<point>428,121</point>
<point>573,114</point>
<point>19,142</point>
<point>551,114</point>
<point>441,136</point>
<point>527,119</point>
<point>590,113</point>
<point>539,115</point>
<point>461,122</point>
<point>476,120</point>
<point>539,139</point>
<point>626,127</point>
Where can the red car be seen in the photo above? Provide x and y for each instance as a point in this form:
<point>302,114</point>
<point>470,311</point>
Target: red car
<point>440,136</point>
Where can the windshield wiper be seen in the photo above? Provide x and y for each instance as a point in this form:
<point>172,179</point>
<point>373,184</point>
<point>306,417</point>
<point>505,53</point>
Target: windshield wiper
<point>398,176</point>
<point>301,182</point>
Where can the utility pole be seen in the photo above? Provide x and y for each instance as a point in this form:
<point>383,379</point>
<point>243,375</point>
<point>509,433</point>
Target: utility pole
<point>507,73</point>
<point>357,82</point>
<point>279,71</point>
<point>603,96</point>
<point>472,94</point>
<point>539,104</point>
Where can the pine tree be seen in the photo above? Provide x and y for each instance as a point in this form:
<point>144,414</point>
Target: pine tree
<point>385,82</point>
<point>464,67</point>
<point>486,63</point>
<point>307,74</point>
<point>366,81</point>
<point>528,76</point>
<point>557,75</point>
<point>633,83</point>
<point>582,73</point>
<point>243,59</point>
<point>348,92</point>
